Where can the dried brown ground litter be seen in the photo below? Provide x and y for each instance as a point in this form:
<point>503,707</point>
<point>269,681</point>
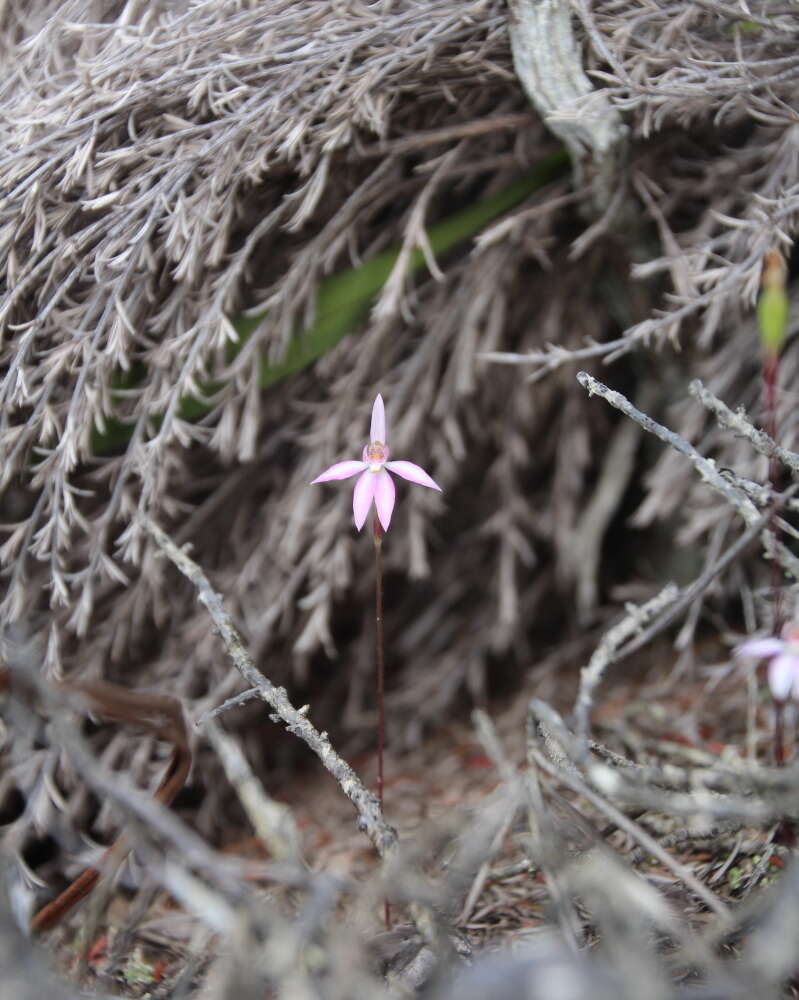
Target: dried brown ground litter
<point>167,165</point>
<point>498,884</point>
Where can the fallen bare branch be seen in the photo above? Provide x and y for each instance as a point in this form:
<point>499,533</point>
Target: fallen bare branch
<point>272,821</point>
<point>572,780</point>
<point>727,486</point>
<point>739,423</point>
<point>608,651</point>
<point>383,836</point>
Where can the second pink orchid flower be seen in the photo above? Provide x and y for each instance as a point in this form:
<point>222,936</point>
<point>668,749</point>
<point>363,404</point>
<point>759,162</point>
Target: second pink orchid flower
<point>783,657</point>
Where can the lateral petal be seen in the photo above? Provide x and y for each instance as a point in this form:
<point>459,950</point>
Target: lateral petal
<point>341,470</point>
<point>378,428</point>
<point>385,494</point>
<point>782,673</point>
<point>759,648</point>
<point>414,474</point>
<point>362,497</point>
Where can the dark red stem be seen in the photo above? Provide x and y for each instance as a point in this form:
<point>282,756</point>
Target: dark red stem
<point>771,367</point>
<point>779,740</point>
<point>381,674</point>
<point>381,709</point>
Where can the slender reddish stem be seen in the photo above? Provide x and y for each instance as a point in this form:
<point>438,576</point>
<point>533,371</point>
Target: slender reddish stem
<point>381,682</point>
<point>770,377</point>
<point>779,739</point>
<point>771,369</point>
<point>771,366</point>
<point>381,675</point>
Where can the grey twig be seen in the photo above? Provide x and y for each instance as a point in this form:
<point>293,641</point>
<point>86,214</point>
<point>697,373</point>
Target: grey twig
<point>234,702</point>
<point>272,821</point>
<point>583,547</point>
<point>744,793</point>
<point>689,594</point>
<point>737,421</point>
<point>383,836</point>
<point>553,356</point>
<point>370,818</point>
<point>607,651</point>
<point>706,467</point>
<point>573,780</point>
<point>727,486</point>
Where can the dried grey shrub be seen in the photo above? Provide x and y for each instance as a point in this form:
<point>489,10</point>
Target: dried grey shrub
<point>167,166</point>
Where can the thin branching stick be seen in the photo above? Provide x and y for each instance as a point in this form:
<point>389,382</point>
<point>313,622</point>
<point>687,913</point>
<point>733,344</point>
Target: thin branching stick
<point>706,467</point>
<point>737,421</point>
<point>234,702</point>
<point>572,779</point>
<point>732,492</point>
<point>741,792</point>
<point>272,821</point>
<point>607,650</point>
<point>383,836</point>
<point>690,593</point>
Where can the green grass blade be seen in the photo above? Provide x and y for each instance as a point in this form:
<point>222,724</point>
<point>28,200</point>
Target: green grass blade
<point>344,299</point>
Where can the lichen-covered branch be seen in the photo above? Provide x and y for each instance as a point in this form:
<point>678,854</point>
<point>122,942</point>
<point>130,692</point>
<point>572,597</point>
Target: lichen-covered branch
<point>383,836</point>
<point>549,65</point>
<point>738,422</point>
<point>634,621</point>
<point>707,468</point>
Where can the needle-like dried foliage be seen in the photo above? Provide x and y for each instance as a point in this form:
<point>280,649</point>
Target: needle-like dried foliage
<point>164,168</point>
<point>721,80</point>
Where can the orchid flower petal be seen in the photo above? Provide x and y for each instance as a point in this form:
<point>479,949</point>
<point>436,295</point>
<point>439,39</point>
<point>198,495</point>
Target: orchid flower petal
<point>341,470</point>
<point>782,675</point>
<point>384,497</point>
<point>378,429</point>
<point>362,497</point>
<point>759,648</point>
<point>414,474</point>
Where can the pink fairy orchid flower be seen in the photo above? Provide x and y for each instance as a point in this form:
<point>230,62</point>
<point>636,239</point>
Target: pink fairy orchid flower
<point>783,670</point>
<point>375,483</point>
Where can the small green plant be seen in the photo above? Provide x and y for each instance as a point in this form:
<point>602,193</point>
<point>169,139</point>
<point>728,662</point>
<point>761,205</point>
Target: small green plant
<point>138,971</point>
<point>735,878</point>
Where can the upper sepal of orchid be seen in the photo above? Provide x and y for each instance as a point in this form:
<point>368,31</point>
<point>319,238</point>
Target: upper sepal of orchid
<point>377,431</point>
